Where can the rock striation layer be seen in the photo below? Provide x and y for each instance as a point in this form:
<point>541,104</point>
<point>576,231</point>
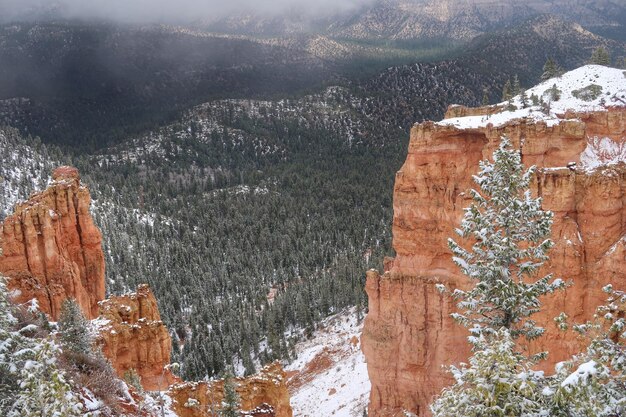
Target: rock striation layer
<point>51,249</point>
<point>133,336</point>
<point>263,394</point>
<point>408,334</point>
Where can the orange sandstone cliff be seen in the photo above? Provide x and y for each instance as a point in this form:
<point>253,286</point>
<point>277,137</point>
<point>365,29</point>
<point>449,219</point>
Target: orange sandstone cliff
<point>134,337</point>
<point>51,249</point>
<point>408,335</point>
<point>263,394</point>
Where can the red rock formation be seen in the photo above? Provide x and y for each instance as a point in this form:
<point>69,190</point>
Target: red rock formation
<point>408,334</point>
<point>134,337</point>
<point>51,249</point>
<point>268,387</point>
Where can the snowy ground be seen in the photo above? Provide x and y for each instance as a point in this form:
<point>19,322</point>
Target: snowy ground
<point>329,377</point>
<point>611,83</point>
<point>588,88</point>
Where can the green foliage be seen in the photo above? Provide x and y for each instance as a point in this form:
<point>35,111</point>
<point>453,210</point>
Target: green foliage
<point>517,87</point>
<point>73,329</point>
<point>510,234</point>
<point>498,382</point>
<point>230,407</point>
<point>551,70</point>
<point>534,100</point>
<point>44,390</point>
<point>600,56</point>
<point>31,382</point>
<point>132,378</point>
<point>507,93</point>
<point>524,99</point>
<point>588,93</point>
<point>593,384</point>
<point>553,93</point>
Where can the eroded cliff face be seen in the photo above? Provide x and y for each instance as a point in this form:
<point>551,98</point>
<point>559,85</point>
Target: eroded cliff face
<point>133,336</point>
<point>263,394</point>
<point>51,249</point>
<point>408,334</point>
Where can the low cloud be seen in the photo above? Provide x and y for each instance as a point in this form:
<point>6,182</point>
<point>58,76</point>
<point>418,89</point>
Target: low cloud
<point>166,11</point>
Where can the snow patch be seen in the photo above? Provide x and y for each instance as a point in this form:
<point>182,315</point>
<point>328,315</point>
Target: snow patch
<point>601,152</point>
<point>583,372</point>
<point>330,370</point>
<point>611,91</point>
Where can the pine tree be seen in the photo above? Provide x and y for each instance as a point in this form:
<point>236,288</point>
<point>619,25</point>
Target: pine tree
<point>517,87</point>
<point>230,407</point>
<point>132,378</point>
<point>506,91</point>
<point>554,93</point>
<point>10,343</point>
<point>73,329</point>
<point>31,384</point>
<point>499,381</point>
<point>524,98</point>
<point>551,70</point>
<point>511,233</point>
<point>600,56</point>
<point>485,101</point>
<point>593,383</point>
<point>43,388</point>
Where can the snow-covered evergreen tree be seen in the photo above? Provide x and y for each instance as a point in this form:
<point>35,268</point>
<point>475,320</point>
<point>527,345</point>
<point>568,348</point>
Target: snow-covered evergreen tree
<point>510,234</point>
<point>10,342</point>
<point>73,329</point>
<point>593,384</point>
<point>31,383</point>
<point>498,382</point>
<point>600,56</point>
<point>506,91</point>
<point>43,388</point>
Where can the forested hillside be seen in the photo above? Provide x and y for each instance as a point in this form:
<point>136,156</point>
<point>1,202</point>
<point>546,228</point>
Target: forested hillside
<point>257,212</point>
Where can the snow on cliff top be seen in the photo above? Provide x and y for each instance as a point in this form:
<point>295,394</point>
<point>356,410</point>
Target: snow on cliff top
<point>588,88</point>
<point>329,376</point>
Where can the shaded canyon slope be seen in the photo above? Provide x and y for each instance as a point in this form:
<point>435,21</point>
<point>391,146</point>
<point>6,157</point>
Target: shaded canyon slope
<point>578,142</point>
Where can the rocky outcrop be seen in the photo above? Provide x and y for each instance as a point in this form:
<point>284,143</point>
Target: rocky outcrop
<point>51,249</point>
<point>133,336</point>
<point>261,395</point>
<point>408,334</point>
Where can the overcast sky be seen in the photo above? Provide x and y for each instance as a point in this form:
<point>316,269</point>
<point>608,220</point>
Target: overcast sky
<point>166,10</point>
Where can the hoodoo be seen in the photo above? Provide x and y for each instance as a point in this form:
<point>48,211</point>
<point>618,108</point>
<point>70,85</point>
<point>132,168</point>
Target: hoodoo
<point>579,144</point>
<point>133,337</point>
<point>51,248</point>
